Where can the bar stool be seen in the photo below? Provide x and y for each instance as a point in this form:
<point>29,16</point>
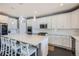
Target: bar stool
<point>27,50</point>
<point>32,50</point>
<point>24,49</point>
<point>13,47</point>
<point>18,48</point>
<point>3,45</point>
<point>7,42</point>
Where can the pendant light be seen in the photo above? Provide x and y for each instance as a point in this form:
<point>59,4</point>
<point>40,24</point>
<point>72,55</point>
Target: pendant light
<point>34,17</point>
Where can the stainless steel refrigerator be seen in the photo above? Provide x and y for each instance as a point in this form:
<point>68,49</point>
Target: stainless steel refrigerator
<point>3,28</point>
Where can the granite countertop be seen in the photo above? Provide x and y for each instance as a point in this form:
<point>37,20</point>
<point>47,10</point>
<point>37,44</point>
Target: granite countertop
<point>31,39</point>
<point>76,37</point>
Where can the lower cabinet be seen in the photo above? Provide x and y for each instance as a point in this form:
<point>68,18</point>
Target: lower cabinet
<point>61,41</point>
<point>77,47</point>
<point>67,42</point>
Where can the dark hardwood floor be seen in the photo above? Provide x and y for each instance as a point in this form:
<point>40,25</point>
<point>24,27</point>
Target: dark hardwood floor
<point>60,52</point>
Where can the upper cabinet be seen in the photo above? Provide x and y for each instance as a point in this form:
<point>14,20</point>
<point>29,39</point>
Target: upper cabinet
<point>75,19</point>
<point>36,24</point>
<point>68,20</point>
<point>61,21</point>
<point>12,23</point>
<point>29,22</point>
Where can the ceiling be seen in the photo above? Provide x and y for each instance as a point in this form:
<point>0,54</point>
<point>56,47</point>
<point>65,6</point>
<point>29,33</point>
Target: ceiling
<point>31,9</point>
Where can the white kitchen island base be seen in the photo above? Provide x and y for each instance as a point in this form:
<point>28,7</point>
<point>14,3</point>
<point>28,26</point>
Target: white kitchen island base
<point>43,48</point>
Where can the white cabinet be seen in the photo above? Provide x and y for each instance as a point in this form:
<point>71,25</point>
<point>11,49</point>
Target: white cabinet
<point>52,39</point>
<point>67,42</point>
<point>56,40</point>
<point>29,22</point>
<point>67,20</point>
<point>12,23</point>
<point>77,47</point>
<point>75,19</point>
<point>44,47</point>
<point>44,20</point>
<point>61,21</point>
<point>61,41</point>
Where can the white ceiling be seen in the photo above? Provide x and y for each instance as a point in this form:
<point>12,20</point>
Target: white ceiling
<point>31,9</point>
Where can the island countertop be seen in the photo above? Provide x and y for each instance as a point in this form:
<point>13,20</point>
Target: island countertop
<point>31,39</point>
<point>76,37</point>
<point>76,44</point>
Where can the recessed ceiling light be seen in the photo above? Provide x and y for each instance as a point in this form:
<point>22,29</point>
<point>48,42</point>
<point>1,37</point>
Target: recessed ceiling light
<point>61,4</point>
<point>35,12</point>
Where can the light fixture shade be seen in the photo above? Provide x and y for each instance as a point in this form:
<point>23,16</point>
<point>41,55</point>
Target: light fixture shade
<point>34,17</point>
<point>22,19</point>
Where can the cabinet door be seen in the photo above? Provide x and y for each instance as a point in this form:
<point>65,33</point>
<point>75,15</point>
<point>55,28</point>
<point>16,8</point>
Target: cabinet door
<point>57,21</point>
<point>77,48</point>
<point>67,42</point>
<point>55,40</point>
<point>54,22</point>
<point>12,24</point>
<point>67,20</point>
<point>75,19</point>
<point>61,41</point>
<point>58,40</point>
<point>61,21</point>
<point>52,39</point>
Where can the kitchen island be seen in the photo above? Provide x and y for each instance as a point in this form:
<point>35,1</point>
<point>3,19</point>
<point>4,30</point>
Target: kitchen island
<point>76,44</point>
<point>41,42</point>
